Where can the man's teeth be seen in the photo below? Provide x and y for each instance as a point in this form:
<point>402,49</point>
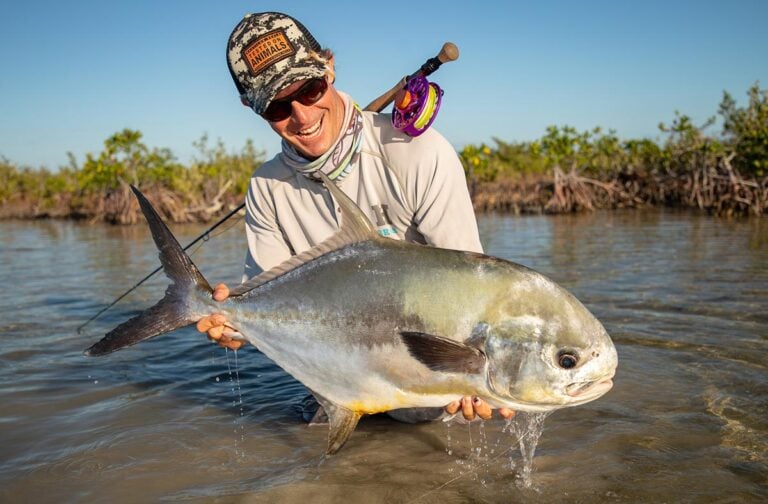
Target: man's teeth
<point>311,130</point>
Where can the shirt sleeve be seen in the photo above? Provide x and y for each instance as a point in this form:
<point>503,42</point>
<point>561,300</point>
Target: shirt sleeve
<point>267,246</point>
<point>442,209</point>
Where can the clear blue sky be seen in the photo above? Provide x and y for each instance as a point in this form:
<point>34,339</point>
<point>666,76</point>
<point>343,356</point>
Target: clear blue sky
<point>74,72</point>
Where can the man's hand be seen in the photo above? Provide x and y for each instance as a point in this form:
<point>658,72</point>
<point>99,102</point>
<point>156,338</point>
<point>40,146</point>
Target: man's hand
<point>474,406</point>
<point>216,325</point>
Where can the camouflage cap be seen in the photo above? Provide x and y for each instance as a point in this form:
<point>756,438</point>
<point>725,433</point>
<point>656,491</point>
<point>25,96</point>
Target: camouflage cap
<point>268,52</point>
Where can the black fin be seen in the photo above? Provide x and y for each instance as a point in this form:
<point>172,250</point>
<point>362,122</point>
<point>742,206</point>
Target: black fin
<point>177,265</point>
<point>171,312</point>
<point>342,423</point>
<point>442,354</point>
<point>159,319</point>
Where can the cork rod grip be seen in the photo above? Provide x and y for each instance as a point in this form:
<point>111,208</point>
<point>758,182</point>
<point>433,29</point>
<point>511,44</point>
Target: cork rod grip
<point>449,52</point>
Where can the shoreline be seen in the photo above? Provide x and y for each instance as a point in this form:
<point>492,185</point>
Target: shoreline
<point>720,191</point>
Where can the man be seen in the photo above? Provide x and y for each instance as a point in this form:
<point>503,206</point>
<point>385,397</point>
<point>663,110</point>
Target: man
<point>412,189</point>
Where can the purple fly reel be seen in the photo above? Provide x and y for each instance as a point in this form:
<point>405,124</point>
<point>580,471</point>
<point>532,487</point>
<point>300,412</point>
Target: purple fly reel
<point>417,107</point>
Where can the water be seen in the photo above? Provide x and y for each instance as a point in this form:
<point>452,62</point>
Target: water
<point>684,296</point>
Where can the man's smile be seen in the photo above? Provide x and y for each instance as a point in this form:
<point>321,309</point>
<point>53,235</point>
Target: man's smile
<point>310,131</point>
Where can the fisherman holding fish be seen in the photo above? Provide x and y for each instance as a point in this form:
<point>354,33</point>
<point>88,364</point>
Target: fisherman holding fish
<point>411,188</point>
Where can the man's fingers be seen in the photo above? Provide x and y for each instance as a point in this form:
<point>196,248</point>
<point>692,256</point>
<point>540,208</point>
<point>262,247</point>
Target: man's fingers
<point>467,409</point>
<point>205,323</point>
<point>506,413</point>
<point>234,344</point>
<point>216,332</point>
<point>453,407</point>
<point>472,407</point>
<point>228,342</point>
<point>482,408</point>
<point>220,292</point>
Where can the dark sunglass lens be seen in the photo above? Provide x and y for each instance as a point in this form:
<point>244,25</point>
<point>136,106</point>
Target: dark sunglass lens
<point>277,111</point>
<point>312,91</point>
<point>308,94</point>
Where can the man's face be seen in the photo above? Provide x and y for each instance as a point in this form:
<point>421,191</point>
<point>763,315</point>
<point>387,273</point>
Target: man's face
<point>311,129</point>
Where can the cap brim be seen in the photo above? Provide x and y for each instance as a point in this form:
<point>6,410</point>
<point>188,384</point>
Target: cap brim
<point>261,98</point>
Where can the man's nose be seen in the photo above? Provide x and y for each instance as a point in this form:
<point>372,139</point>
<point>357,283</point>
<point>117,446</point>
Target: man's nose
<point>299,112</point>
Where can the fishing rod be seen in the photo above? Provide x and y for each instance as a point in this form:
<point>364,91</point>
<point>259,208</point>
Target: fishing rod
<point>416,104</point>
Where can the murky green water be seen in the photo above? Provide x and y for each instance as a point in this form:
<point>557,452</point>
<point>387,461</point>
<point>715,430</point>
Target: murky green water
<point>684,296</point>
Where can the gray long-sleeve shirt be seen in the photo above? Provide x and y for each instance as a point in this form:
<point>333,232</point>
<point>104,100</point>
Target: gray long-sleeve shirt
<point>410,188</point>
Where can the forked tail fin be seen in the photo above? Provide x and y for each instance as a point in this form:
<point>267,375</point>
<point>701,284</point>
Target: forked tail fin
<point>172,312</point>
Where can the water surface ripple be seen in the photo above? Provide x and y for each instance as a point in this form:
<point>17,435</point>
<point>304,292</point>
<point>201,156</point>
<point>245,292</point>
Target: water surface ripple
<point>684,296</point>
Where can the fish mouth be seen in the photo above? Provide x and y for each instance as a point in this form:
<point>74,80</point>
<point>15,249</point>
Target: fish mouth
<point>595,388</point>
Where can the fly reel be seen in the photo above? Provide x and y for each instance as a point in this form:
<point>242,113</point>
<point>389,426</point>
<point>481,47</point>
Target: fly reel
<point>416,106</point>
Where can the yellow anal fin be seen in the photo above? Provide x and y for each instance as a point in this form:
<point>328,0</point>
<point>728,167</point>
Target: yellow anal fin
<point>342,422</point>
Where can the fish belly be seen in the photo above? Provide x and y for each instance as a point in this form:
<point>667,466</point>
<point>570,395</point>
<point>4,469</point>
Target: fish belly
<point>362,378</point>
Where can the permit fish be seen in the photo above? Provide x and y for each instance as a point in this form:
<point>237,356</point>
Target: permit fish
<point>370,324</point>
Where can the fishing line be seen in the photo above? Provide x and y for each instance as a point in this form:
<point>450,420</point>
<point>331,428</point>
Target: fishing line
<point>456,478</point>
<point>204,237</point>
<point>208,236</point>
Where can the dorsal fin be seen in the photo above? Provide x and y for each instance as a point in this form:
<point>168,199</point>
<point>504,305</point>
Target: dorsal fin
<point>352,218</point>
<point>355,227</point>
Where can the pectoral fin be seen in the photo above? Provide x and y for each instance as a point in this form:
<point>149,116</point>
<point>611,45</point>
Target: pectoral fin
<point>443,354</point>
<point>342,423</point>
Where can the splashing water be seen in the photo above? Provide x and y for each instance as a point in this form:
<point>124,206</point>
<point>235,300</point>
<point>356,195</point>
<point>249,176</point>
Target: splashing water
<point>237,401</point>
<point>527,427</point>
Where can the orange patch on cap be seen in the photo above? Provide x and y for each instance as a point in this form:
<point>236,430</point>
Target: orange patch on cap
<point>267,49</point>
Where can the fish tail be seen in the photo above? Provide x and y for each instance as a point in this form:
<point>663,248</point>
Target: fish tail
<point>173,311</point>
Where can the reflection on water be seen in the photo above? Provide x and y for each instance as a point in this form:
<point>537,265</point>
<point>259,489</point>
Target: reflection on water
<point>684,297</point>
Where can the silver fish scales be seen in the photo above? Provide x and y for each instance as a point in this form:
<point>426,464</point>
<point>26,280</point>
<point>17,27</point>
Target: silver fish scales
<point>370,324</point>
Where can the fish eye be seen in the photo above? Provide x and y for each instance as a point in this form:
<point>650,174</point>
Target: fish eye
<point>567,360</point>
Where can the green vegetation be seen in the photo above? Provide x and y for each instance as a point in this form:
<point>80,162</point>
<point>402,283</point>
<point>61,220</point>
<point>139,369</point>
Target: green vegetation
<point>564,171</point>
<point>213,183</point>
<point>567,170</point>
<point>746,131</point>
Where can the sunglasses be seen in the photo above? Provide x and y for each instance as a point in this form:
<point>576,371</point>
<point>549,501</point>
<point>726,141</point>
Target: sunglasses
<point>308,94</point>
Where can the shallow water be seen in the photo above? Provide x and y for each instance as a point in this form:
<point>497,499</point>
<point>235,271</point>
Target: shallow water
<point>684,296</point>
